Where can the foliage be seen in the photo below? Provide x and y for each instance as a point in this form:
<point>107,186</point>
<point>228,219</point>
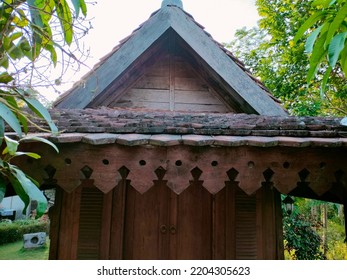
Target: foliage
<point>270,53</point>
<point>326,42</point>
<point>310,212</point>
<point>12,232</point>
<point>28,32</point>
<point>302,241</point>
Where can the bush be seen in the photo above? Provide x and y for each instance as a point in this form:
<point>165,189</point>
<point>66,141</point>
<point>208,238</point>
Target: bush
<point>12,232</point>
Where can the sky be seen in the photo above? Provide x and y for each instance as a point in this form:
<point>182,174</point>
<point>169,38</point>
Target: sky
<point>114,20</point>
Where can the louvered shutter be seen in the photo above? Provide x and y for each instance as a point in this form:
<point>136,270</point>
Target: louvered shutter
<point>245,226</point>
<point>89,234</point>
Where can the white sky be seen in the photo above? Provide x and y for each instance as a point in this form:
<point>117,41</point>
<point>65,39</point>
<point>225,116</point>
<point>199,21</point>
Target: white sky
<point>114,20</point>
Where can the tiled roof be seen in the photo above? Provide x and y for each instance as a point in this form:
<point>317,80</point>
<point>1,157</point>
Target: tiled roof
<point>139,127</point>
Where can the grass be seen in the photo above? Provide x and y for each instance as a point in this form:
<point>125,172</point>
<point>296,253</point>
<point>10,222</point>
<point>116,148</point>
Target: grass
<point>15,251</point>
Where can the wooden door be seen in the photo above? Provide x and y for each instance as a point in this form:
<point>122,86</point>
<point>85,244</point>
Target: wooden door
<point>160,224</point>
<point>145,223</point>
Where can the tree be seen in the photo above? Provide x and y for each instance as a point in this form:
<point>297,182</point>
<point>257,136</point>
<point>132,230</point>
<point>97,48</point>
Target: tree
<point>27,38</point>
<point>269,51</point>
<point>325,32</point>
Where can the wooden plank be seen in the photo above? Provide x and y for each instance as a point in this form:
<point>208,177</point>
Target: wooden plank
<point>153,82</point>
<point>105,238</point>
<point>55,220</point>
<point>190,84</point>
<point>183,69</point>
<point>118,220</point>
<point>203,97</point>
<point>144,105</point>
<point>224,223</point>
<point>200,108</point>
<point>194,227</point>
<point>144,95</point>
<point>161,68</point>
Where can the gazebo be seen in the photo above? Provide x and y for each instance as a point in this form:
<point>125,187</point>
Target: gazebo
<point>171,149</point>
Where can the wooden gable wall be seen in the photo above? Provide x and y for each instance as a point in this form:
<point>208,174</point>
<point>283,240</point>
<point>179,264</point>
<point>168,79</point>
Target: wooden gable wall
<point>172,84</point>
<point>168,77</point>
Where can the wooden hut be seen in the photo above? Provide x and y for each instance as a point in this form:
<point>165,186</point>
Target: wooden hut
<point>172,150</point>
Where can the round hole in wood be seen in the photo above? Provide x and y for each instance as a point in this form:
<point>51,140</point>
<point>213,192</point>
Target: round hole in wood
<point>178,163</point>
<point>214,163</point>
<point>251,164</point>
<point>286,165</point>
<point>142,162</point>
<point>105,161</point>
<point>68,161</point>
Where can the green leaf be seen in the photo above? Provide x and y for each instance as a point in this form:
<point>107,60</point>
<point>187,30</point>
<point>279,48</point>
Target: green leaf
<point>312,39</point>
<point>22,118</point>
<point>325,81</point>
<point>29,154</point>
<point>40,139</point>
<point>42,112</point>
<point>5,78</point>
<point>79,5</point>
<point>324,3</point>
<point>4,61</point>
<point>65,18</point>
<point>336,24</point>
<point>27,190</point>
<point>343,60</point>
<point>335,47</point>
<point>2,188</point>
<point>316,57</point>
<point>11,146</point>
<point>10,118</point>
<point>83,7</point>
<point>308,23</point>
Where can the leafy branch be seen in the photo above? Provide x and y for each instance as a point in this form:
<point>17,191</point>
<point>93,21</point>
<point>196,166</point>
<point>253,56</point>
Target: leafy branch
<point>26,36</point>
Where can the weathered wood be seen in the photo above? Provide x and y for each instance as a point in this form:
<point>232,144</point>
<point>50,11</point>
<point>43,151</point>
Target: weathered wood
<point>245,226</point>
<point>117,214</point>
<point>194,223</point>
<point>55,220</point>
<point>146,217</point>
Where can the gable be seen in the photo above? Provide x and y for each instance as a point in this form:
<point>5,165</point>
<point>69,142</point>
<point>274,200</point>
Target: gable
<point>118,72</point>
<point>170,84</point>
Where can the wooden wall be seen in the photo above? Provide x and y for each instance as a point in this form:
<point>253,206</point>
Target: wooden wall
<point>160,224</point>
<point>172,84</point>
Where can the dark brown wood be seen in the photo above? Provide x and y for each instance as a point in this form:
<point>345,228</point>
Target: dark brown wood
<point>194,223</point>
<point>146,223</point>
<point>117,221</point>
<point>90,223</point>
<point>55,220</point>
<point>246,244</point>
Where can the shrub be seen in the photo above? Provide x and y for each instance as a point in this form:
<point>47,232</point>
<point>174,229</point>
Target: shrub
<point>12,232</point>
